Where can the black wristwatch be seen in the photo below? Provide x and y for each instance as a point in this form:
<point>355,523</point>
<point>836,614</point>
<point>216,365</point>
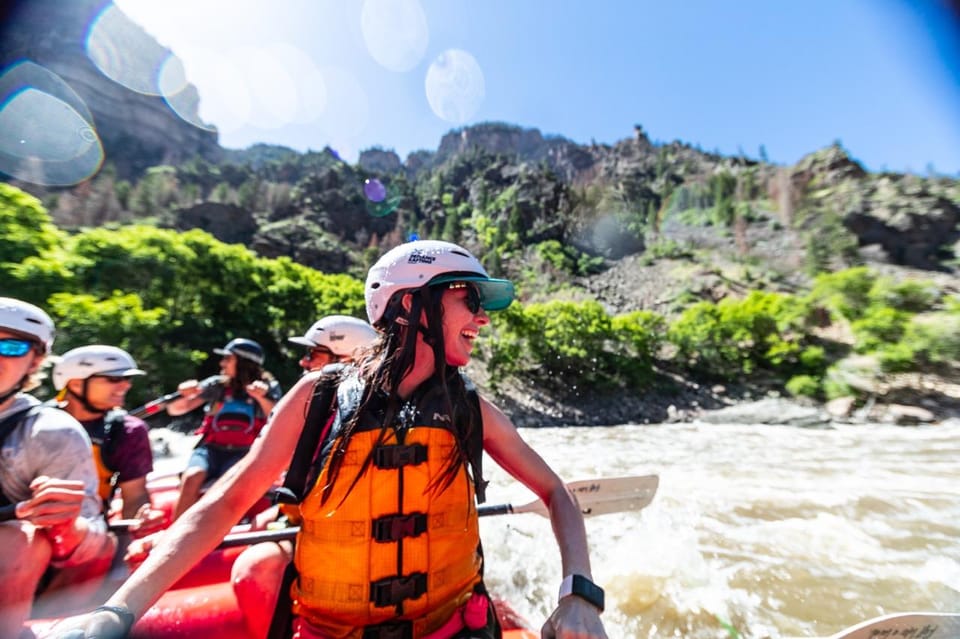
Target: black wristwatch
<point>582,587</point>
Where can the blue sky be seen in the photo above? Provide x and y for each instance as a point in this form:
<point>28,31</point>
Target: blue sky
<point>881,76</point>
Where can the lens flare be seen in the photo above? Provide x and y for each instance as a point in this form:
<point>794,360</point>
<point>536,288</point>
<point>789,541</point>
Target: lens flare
<point>47,135</point>
<point>374,190</point>
<point>124,52</point>
<point>455,86</point>
<point>395,33</point>
<point>381,200</point>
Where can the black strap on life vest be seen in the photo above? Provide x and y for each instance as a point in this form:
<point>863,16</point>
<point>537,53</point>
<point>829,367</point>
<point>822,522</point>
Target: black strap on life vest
<point>294,485</point>
<point>113,434</point>
<point>7,424</point>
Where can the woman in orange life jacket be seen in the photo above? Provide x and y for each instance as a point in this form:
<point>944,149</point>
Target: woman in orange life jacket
<point>405,439</point>
<point>257,571</point>
<point>234,415</point>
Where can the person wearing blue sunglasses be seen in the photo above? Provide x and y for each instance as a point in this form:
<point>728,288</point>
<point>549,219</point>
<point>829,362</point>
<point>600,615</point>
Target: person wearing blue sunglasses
<point>50,514</point>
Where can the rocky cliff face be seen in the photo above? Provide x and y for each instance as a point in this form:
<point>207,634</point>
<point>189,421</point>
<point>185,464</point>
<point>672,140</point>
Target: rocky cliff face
<point>137,130</point>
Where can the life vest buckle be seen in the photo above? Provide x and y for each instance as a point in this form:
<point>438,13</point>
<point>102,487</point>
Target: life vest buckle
<point>397,456</point>
<point>396,527</point>
<point>390,630</point>
<point>394,590</point>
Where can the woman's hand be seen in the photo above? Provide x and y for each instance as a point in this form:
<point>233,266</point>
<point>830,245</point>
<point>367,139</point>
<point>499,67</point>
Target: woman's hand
<point>574,618</point>
<point>100,624</point>
<point>257,389</point>
<point>189,389</point>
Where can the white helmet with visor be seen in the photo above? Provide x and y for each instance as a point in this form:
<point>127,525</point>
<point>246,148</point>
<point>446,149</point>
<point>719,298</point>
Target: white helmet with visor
<point>428,262</point>
<point>341,334</point>
<point>88,361</point>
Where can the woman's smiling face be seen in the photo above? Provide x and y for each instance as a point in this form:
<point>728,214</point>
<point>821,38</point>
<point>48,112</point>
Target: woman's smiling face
<point>462,319</point>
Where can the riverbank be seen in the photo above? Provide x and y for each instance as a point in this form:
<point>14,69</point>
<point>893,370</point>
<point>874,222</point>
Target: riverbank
<point>906,400</point>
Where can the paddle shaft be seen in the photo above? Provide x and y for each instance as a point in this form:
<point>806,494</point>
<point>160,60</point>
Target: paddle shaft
<point>596,497</point>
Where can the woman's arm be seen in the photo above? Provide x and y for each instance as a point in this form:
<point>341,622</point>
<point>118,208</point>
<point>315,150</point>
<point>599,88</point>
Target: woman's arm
<point>191,397</point>
<point>574,617</point>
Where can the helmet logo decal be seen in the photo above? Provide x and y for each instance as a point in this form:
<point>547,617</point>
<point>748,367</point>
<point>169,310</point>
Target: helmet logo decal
<point>419,257</point>
<point>337,337</point>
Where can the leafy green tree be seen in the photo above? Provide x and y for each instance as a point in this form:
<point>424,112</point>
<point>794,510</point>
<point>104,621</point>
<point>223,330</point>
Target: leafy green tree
<point>25,226</point>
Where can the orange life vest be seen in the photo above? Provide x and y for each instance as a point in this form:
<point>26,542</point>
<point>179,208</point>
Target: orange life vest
<point>389,546</point>
<point>113,429</point>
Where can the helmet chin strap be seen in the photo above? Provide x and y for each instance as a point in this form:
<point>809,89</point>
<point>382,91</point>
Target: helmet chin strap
<point>16,389</point>
<point>83,398</point>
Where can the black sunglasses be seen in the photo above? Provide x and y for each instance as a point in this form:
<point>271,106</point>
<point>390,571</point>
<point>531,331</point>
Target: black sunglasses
<point>317,351</point>
<point>472,299</point>
<point>14,347</point>
<point>113,379</point>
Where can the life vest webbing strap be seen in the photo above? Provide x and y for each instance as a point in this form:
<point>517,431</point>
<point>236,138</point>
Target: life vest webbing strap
<point>358,529</point>
<point>395,590</point>
<point>396,456</point>
<point>395,527</point>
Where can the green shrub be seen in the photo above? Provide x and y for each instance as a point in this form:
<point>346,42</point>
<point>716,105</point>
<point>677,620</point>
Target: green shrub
<point>735,337</point>
<point>896,358</point>
<point>877,327</point>
<point>911,296</point>
<point>835,385</point>
<point>934,337</point>
<point>803,386</point>
<point>844,292</point>
<point>573,345</point>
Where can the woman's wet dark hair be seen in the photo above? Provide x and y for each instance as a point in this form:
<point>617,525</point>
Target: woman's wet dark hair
<point>386,364</point>
<point>247,371</point>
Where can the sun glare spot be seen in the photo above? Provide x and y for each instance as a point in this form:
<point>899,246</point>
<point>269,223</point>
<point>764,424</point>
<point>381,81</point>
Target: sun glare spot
<point>455,86</point>
<point>395,32</point>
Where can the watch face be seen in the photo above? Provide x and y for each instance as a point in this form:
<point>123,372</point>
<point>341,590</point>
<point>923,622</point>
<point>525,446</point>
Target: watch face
<point>588,590</point>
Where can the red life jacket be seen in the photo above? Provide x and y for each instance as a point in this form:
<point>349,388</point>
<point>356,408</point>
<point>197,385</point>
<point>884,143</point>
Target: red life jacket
<point>232,423</point>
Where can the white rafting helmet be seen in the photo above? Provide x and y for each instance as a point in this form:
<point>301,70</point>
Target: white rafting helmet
<point>342,334</point>
<point>87,361</point>
<point>421,262</point>
<point>28,320</point>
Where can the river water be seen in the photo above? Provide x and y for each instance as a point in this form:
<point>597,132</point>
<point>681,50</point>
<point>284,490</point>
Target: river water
<point>756,531</point>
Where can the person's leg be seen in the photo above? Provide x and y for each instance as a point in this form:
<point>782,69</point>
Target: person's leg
<point>192,480</point>
<point>25,556</point>
<point>256,577</point>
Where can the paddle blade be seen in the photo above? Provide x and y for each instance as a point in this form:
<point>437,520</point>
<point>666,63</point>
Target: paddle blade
<point>930,625</point>
<point>602,496</point>
<point>615,494</point>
